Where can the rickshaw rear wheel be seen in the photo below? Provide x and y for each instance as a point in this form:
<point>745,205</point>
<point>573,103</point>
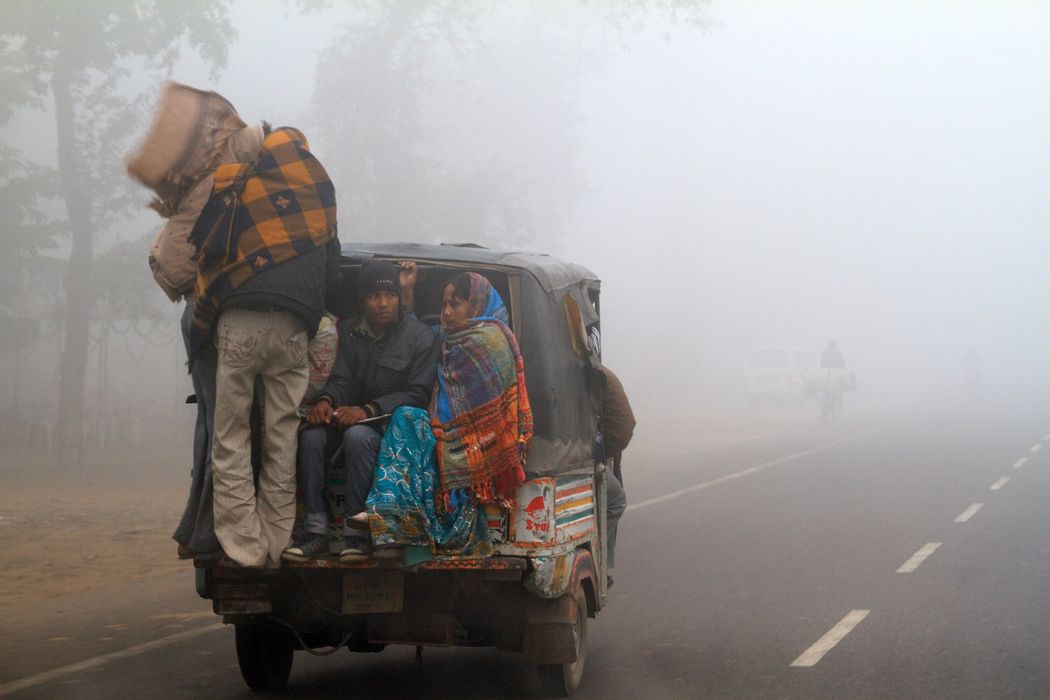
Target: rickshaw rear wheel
<point>264,654</point>
<point>562,680</point>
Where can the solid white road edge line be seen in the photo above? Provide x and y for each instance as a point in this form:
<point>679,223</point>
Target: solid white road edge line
<point>919,557</point>
<point>999,484</point>
<point>1020,463</point>
<point>1035,447</point>
<point>968,513</point>
<point>97,661</point>
<point>815,653</point>
<point>749,470</point>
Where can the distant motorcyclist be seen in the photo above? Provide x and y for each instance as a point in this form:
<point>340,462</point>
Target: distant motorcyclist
<point>832,357</point>
<point>830,360</point>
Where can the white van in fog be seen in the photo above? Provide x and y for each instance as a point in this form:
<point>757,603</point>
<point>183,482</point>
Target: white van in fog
<point>778,375</point>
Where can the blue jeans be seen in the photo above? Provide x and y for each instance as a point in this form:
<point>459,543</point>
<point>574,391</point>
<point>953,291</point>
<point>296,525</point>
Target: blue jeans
<point>360,445</point>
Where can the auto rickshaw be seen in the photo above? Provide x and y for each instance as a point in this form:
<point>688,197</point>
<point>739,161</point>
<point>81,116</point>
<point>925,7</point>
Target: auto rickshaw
<point>547,575</point>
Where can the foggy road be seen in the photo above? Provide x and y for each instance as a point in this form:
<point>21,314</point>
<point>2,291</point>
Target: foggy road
<point>861,559</point>
<point>751,182</point>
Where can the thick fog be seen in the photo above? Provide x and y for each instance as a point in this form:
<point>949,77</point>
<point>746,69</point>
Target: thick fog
<point>740,175</point>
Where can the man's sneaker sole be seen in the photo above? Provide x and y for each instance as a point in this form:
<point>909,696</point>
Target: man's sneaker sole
<point>353,556</point>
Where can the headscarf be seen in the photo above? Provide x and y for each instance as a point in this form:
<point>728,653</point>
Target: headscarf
<point>484,302</point>
<point>480,411</point>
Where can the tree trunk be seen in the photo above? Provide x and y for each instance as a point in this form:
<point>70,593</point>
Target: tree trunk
<point>385,210</point>
<point>69,427</point>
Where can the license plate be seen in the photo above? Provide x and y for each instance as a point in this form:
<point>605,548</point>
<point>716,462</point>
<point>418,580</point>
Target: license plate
<point>373,592</point>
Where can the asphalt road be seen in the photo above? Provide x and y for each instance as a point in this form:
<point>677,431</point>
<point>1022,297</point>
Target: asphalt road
<point>861,559</point>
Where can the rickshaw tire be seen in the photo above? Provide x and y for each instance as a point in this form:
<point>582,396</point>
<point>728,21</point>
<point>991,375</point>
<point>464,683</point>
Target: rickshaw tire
<point>264,654</point>
<point>562,680</point>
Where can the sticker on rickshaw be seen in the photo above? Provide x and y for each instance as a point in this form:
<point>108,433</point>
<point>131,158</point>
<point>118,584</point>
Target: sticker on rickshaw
<point>533,519</point>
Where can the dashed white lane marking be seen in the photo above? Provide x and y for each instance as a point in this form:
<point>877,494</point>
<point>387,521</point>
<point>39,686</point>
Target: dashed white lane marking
<point>1020,463</point>
<point>98,661</point>
<point>749,470</point>
<point>815,653</point>
<point>999,484</point>
<point>1035,447</point>
<point>968,513</point>
<point>919,557</point>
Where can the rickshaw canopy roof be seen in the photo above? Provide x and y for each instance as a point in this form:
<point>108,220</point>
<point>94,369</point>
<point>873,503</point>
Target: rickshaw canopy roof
<point>549,272</point>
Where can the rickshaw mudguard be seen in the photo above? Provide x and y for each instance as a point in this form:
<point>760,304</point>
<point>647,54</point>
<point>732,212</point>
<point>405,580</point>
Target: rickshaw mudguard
<point>548,634</point>
<point>550,576</point>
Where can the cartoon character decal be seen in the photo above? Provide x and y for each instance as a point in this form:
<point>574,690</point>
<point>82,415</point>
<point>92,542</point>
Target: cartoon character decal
<point>534,515</point>
<point>538,516</point>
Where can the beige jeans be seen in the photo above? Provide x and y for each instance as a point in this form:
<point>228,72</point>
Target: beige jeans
<point>255,525</point>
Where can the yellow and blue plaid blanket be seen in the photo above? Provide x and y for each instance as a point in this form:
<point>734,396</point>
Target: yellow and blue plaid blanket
<point>260,214</point>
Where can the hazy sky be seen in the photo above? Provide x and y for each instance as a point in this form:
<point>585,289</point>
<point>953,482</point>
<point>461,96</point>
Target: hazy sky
<point>871,171</point>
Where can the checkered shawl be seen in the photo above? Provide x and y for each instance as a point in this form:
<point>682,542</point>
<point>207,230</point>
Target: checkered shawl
<point>480,414</point>
<point>260,214</point>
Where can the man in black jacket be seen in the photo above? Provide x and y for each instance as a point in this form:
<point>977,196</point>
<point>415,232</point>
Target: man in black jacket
<point>386,360</point>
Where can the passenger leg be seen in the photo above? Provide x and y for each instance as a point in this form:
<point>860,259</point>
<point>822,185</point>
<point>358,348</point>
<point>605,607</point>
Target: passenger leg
<point>615,505</point>
<point>360,447</point>
<point>196,530</point>
<point>285,378</point>
<point>311,473</point>
<point>237,524</point>
<point>312,478</point>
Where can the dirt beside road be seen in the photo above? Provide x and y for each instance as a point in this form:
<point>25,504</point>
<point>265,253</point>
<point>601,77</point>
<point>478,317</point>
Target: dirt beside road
<point>109,520</point>
<point>88,527</point>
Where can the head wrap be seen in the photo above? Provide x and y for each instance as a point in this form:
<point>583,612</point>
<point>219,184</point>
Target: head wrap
<point>484,301</point>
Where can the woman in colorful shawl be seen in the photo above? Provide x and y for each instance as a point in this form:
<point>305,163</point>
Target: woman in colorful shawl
<point>480,410</point>
<point>434,472</point>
